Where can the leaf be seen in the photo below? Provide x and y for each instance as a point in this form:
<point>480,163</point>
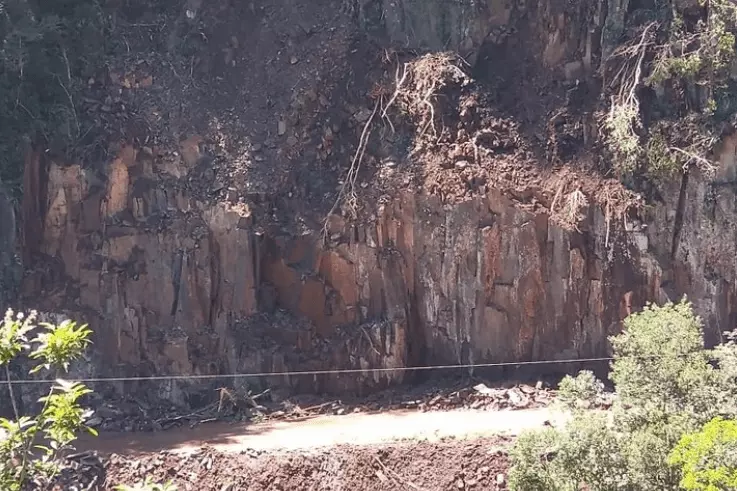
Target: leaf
<point>58,346</point>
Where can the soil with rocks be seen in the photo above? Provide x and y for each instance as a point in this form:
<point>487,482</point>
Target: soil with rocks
<point>453,464</point>
<point>290,109</point>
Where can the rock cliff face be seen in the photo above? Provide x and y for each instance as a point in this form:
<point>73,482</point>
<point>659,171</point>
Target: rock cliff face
<point>174,281</point>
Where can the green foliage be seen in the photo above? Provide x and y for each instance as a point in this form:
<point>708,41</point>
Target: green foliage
<point>534,466</point>
<point>622,138</point>
<point>587,453</point>
<point>65,415</point>
<point>680,57</point>
<point>47,51</point>
<point>661,364</point>
<point>13,335</point>
<point>665,388</point>
<point>708,457</point>
<point>61,417</point>
<point>582,390</point>
<point>702,55</point>
<point>23,462</point>
<point>60,345</point>
<point>661,162</point>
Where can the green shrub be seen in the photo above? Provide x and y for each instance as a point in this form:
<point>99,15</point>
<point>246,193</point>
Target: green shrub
<point>665,388</point>
<point>61,417</point>
<point>708,458</point>
<point>582,390</point>
<point>24,463</point>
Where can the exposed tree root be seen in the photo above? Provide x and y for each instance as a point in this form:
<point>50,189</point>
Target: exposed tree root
<point>348,189</point>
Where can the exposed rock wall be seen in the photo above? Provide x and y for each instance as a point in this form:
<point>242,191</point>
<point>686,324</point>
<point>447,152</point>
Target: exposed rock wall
<point>175,284</point>
<point>424,283</point>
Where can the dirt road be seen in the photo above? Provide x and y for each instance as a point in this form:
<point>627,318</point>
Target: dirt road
<point>327,431</point>
<point>438,450</point>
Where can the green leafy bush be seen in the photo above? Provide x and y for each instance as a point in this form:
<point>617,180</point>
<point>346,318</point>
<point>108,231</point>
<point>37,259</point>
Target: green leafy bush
<point>666,388</point>
<point>31,446</point>
<point>582,390</point>
<point>708,458</point>
<point>61,417</point>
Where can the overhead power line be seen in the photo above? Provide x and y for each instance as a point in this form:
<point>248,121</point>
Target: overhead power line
<point>298,373</point>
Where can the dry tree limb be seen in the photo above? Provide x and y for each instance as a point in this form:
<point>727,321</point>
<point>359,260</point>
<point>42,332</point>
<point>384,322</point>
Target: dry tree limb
<point>627,89</point>
<point>371,343</point>
<point>69,95</point>
<point>557,197</point>
<point>572,211</point>
<point>705,165</point>
<point>397,89</point>
<point>350,181</point>
<point>396,475</point>
<point>608,220</point>
<point>386,118</point>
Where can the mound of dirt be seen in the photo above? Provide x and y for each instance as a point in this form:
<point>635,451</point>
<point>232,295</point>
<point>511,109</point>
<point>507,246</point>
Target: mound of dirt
<point>464,143</point>
<point>479,464</point>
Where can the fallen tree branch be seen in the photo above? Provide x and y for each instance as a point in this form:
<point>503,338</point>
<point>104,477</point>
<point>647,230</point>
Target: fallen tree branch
<point>396,476</point>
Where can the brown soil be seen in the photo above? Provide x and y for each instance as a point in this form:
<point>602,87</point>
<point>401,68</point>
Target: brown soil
<point>471,135</point>
<point>278,97</point>
<point>311,433</point>
<point>479,464</point>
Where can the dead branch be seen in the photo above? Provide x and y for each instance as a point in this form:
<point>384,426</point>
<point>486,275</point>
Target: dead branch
<point>397,89</point>
<point>705,165</point>
<point>371,343</point>
<point>386,118</point>
<point>350,180</point>
<point>396,476</point>
<point>557,197</point>
<point>69,96</point>
<point>572,211</point>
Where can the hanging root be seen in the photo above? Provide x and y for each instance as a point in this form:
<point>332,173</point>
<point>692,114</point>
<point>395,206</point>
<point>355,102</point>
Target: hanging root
<point>623,119</point>
<point>420,83</point>
<point>347,191</point>
<point>399,82</point>
<point>573,209</point>
<point>703,164</point>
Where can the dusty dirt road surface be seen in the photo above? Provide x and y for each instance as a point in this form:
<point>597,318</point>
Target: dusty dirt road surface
<point>459,449</point>
<point>327,431</point>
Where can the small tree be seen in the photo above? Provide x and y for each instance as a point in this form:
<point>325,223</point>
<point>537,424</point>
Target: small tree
<point>666,389</point>
<point>24,460</point>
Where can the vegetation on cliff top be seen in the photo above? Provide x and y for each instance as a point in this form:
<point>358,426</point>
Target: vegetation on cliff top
<point>668,85</point>
<point>681,63</point>
<point>48,51</point>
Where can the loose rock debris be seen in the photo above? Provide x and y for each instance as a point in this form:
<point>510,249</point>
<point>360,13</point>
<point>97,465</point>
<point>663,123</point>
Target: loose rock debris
<point>232,405</point>
<point>479,464</point>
